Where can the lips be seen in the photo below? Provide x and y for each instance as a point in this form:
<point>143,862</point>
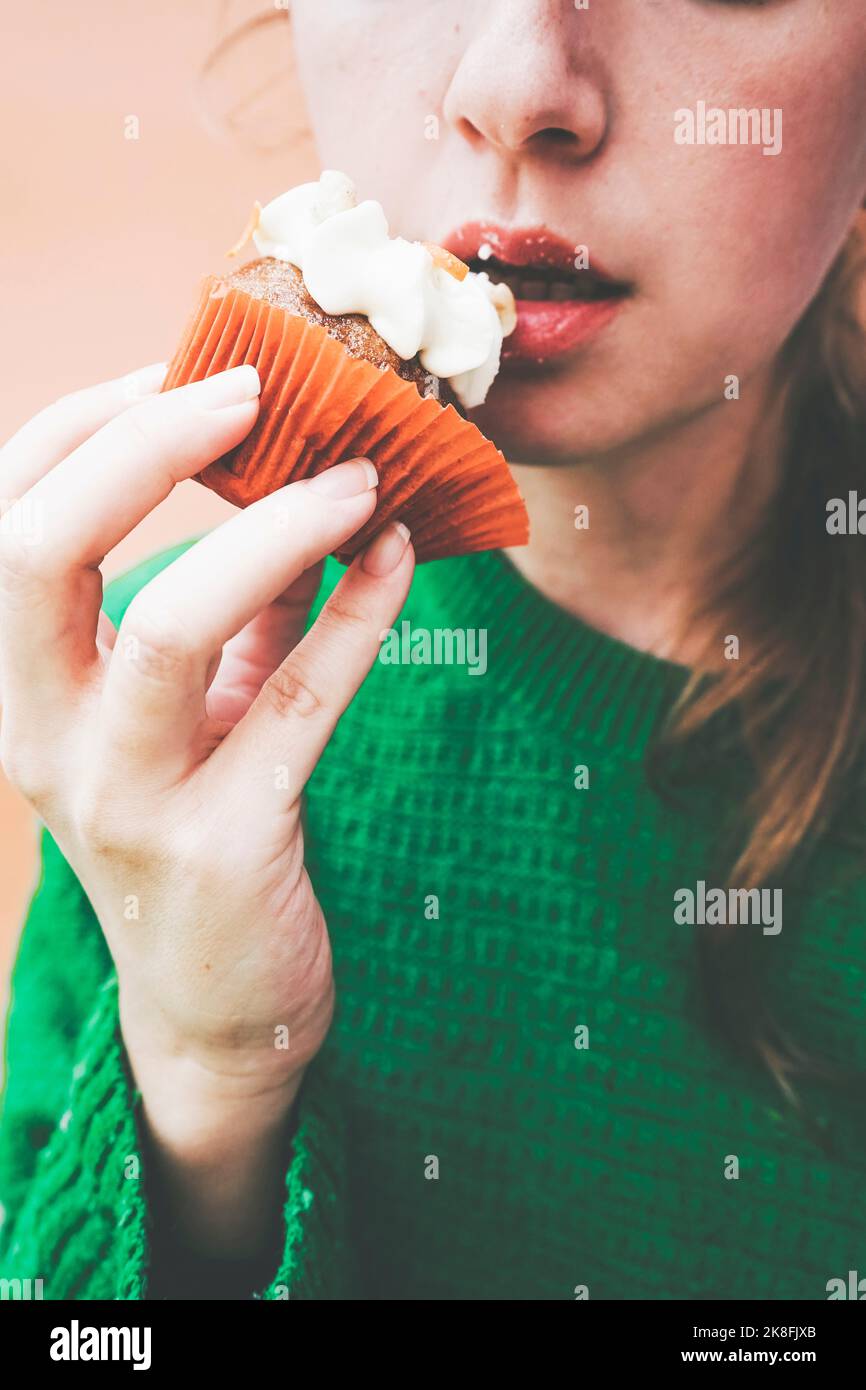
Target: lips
<point>560,304</point>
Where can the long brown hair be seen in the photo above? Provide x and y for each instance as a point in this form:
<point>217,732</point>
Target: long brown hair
<point>797,696</point>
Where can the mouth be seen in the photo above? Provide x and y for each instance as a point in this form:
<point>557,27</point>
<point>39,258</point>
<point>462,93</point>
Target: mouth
<point>563,297</point>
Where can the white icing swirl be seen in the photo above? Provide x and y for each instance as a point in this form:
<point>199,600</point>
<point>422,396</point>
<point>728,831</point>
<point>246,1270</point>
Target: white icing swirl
<point>350,265</point>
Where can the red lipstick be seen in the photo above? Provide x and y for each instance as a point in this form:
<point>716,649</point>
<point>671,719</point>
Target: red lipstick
<point>560,303</point>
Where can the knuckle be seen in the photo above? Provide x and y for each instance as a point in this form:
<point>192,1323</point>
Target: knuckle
<point>289,694</point>
<point>25,770</point>
<point>141,424</point>
<point>100,824</point>
<point>340,612</point>
<point>92,823</point>
<point>93,831</point>
<point>153,640</point>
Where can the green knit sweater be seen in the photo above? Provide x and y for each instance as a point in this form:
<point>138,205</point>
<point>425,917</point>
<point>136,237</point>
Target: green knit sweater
<point>520,1097</point>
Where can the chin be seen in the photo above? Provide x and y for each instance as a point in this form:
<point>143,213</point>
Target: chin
<point>543,419</point>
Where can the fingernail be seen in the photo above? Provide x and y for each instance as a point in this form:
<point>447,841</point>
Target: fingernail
<point>385,553</point>
<point>233,387</point>
<point>345,479</point>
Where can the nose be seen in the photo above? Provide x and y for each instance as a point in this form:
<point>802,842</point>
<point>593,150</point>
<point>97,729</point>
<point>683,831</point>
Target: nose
<point>529,82</point>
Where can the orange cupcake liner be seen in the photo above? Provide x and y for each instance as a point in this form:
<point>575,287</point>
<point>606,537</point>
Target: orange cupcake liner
<point>319,404</point>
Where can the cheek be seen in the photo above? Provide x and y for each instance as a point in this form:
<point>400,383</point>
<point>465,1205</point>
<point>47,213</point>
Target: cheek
<point>369,88</point>
<point>761,231</point>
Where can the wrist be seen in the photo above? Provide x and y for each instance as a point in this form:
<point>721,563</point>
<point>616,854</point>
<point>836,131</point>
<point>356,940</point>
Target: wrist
<point>217,1145</point>
<point>195,1102</point>
<point>256,1070</point>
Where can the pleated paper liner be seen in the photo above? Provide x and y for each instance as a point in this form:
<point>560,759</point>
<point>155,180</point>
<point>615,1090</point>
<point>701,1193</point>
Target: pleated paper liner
<point>319,405</point>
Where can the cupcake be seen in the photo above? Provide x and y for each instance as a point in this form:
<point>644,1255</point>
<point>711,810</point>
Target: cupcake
<point>366,344</point>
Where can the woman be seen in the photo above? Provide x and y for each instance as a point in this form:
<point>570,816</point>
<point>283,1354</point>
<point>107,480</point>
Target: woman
<point>573,1054</point>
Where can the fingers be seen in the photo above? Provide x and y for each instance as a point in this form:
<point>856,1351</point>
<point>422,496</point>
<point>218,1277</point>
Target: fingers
<point>154,696</point>
<point>51,590</point>
<point>61,427</point>
<point>277,744</point>
<point>105,487</point>
<point>257,650</point>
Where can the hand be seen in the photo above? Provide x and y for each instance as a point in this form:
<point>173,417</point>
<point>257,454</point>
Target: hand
<point>168,758</point>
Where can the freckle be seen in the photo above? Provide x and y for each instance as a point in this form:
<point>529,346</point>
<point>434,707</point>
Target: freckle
<point>206,966</point>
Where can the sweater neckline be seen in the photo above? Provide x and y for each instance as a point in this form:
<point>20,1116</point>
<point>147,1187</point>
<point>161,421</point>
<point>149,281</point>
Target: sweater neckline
<point>553,662</point>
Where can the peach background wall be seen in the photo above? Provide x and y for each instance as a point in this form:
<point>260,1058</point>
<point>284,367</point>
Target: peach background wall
<point>104,238</point>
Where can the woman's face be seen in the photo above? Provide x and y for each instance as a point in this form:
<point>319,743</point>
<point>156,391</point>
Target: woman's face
<point>542,113</point>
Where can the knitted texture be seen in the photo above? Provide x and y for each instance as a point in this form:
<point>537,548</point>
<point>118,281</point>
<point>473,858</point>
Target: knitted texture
<point>520,1096</point>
